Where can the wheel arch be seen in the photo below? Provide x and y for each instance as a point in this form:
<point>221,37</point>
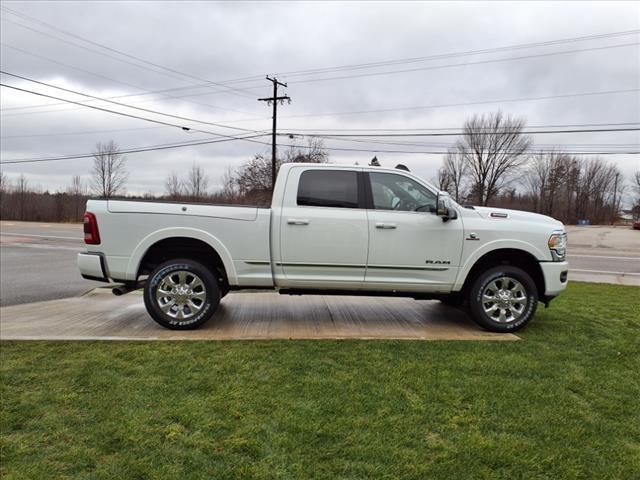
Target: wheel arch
<point>182,243</point>
<point>507,256</point>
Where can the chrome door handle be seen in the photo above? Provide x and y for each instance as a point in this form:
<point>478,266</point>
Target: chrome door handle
<point>386,226</point>
<point>297,221</point>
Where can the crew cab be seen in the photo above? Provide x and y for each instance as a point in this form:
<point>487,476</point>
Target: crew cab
<point>331,229</point>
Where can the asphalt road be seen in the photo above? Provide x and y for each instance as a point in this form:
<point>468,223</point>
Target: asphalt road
<point>38,260</point>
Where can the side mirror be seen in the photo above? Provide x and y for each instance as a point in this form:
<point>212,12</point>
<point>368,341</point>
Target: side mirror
<point>444,207</point>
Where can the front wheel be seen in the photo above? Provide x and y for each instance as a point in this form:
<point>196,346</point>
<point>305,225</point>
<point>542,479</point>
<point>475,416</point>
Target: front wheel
<point>503,299</point>
<point>181,294</point>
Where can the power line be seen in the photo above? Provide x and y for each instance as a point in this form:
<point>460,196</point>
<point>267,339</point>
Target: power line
<point>458,54</point>
<point>438,56</point>
<point>451,128</point>
<point>145,92</point>
<point>119,52</point>
<point>131,150</point>
<point>155,112</point>
<point>460,133</point>
<point>479,62</point>
<point>206,142</point>
<point>182,127</point>
<point>448,105</point>
<point>94,107</point>
<point>301,131</point>
<point>449,145</point>
<point>444,151</point>
<point>86,132</point>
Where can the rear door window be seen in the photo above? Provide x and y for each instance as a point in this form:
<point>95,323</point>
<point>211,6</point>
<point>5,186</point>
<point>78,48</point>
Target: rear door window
<point>328,188</point>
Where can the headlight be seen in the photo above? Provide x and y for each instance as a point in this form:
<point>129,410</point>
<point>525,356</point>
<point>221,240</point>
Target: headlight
<point>558,246</point>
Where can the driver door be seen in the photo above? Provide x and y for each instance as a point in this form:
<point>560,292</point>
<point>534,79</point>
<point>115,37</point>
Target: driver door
<point>410,248</point>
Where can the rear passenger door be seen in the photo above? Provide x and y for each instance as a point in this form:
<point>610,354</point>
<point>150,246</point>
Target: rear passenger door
<point>323,229</point>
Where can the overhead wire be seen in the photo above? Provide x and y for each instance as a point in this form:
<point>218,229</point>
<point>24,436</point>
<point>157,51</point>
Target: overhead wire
<point>125,54</point>
<point>453,65</point>
<point>182,127</point>
<point>438,56</point>
<point>145,92</point>
<point>462,132</point>
<point>147,110</point>
<point>205,142</point>
<point>461,104</point>
<point>298,131</point>
<point>128,150</point>
<point>459,54</point>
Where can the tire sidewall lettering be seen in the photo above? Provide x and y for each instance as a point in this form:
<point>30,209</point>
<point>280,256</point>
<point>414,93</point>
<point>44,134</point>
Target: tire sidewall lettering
<point>154,284</point>
<point>531,299</point>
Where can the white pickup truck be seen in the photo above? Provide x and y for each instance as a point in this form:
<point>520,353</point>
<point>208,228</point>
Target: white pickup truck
<point>346,230</point>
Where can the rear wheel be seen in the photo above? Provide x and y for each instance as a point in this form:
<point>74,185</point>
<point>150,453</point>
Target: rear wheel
<point>181,294</point>
<point>503,299</point>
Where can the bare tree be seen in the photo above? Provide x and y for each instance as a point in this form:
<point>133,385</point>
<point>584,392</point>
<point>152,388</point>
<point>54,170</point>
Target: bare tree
<point>4,184</point>
<point>229,192</point>
<point>547,178</point>
<point>22,191</point>
<point>595,191</point>
<point>492,147</point>
<point>197,182</point>
<point>444,179</point>
<point>456,169</point>
<point>173,186</point>
<point>636,186</point>
<point>109,173</point>
<point>312,152</point>
<point>252,181</point>
<point>77,192</point>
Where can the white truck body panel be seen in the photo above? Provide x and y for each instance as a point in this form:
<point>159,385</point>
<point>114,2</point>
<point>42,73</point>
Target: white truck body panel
<point>323,247</point>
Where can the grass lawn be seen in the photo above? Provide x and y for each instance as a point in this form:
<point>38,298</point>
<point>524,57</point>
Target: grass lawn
<point>562,403</point>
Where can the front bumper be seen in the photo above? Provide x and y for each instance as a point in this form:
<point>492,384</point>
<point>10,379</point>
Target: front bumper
<point>92,266</point>
<point>555,277</point>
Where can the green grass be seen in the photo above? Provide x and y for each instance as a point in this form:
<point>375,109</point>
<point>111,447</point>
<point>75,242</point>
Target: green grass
<point>562,403</point>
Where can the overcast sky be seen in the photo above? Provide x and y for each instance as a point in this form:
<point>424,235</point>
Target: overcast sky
<point>199,42</point>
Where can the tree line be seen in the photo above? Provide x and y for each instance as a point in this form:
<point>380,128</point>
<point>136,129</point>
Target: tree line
<point>493,163</point>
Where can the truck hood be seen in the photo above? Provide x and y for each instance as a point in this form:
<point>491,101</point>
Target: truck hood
<point>503,214</point>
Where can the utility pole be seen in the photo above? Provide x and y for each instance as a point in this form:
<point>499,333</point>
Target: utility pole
<point>274,100</point>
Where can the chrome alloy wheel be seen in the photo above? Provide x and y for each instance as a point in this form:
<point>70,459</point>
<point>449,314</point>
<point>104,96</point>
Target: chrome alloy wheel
<point>504,299</point>
<point>181,294</point>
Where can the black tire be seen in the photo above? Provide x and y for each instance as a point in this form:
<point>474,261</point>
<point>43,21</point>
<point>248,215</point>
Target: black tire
<point>505,316</point>
<point>453,300</point>
<point>193,304</point>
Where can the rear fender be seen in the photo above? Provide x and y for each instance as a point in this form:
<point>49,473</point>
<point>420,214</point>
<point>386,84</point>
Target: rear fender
<point>206,237</point>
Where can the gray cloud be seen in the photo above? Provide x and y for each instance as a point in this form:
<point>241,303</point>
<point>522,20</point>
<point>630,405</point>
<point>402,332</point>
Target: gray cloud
<point>222,41</point>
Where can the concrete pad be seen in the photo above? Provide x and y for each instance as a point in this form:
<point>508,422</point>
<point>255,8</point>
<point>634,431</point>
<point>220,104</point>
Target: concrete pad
<point>99,315</point>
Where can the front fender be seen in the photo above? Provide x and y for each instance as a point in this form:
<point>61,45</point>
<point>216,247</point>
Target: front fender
<point>151,239</point>
<point>492,246</point>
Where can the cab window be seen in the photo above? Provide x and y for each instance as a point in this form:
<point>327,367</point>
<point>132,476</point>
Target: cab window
<point>397,192</point>
<point>328,188</point>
